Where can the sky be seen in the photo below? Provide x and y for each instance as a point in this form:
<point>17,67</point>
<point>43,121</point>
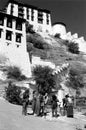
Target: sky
<point>70,12</point>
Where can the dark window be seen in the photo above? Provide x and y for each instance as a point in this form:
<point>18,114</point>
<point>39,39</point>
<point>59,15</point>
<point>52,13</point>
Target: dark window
<point>18,37</point>
<point>40,17</point>
<point>40,20</point>
<point>20,12</point>
<point>9,23</point>
<point>32,15</point>
<point>18,25</point>
<point>5,10</point>
<point>8,35</point>
<point>0,32</point>
<point>12,7</point>
<point>47,18</point>
<point>1,20</point>
<point>27,13</point>
<point>20,15</point>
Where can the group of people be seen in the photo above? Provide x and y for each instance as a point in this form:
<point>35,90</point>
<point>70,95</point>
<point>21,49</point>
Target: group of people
<point>39,103</point>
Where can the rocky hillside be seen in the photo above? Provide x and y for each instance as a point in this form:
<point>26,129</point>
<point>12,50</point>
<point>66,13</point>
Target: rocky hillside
<point>54,50</point>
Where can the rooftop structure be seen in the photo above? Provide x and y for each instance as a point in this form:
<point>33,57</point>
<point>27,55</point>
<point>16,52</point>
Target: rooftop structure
<point>59,28</point>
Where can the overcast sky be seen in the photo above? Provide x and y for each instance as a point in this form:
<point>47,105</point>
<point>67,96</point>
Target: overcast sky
<point>70,12</point>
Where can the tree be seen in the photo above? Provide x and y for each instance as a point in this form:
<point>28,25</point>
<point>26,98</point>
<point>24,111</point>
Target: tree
<point>75,81</point>
<point>44,79</point>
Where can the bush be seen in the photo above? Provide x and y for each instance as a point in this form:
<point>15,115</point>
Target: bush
<point>57,35</point>
<point>37,41</point>
<point>75,80</point>
<point>38,45</point>
<point>29,28</point>
<point>15,73</point>
<point>13,94</point>
<point>73,48</point>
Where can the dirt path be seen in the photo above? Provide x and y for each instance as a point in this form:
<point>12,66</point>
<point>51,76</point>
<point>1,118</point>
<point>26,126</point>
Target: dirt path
<point>12,119</point>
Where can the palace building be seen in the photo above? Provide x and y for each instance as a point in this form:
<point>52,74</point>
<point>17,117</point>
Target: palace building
<point>39,18</point>
<point>13,21</point>
<point>13,42</point>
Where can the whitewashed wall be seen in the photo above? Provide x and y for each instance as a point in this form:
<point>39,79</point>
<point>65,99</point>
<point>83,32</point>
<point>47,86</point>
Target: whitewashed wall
<point>18,56</point>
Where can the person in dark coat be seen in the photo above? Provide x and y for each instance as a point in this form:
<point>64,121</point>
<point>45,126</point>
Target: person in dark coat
<point>54,106</point>
<point>38,104</point>
<point>70,108</point>
<point>25,102</point>
<point>41,105</point>
<point>34,102</point>
<point>65,104</point>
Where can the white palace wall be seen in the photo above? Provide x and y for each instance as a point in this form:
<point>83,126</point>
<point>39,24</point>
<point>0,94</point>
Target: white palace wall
<point>16,52</point>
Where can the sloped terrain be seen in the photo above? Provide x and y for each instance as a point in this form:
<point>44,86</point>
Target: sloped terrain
<point>56,52</point>
<point>11,119</point>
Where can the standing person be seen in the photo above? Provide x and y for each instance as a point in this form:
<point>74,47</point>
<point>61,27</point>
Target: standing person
<point>25,102</point>
<point>54,106</point>
<point>38,104</point>
<point>70,108</point>
<point>42,105</point>
<point>61,108</point>
<point>34,102</point>
<point>45,103</point>
<point>65,104</point>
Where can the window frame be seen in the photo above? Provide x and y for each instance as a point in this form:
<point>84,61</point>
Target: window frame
<point>20,39</point>
<point>40,17</point>
<point>18,23</point>
<point>47,19</point>
<point>0,32</point>
<point>12,7</point>
<point>9,21</point>
<point>2,20</point>
<point>9,32</point>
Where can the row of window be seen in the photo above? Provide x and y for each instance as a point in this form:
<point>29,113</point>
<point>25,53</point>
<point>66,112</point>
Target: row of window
<point>21,14</point>
<point>9,36</point>
<point>10,23</point>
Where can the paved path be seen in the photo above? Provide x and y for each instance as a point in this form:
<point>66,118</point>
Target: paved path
<point>12,119</point>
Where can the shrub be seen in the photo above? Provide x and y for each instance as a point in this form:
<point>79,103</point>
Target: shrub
<point>29,28</point>
<point>37,41</point>
<point>13,94</point>
<point>38,45</point>
<point>15,73</point>
<point>57,35</point>
<point>75,80</point>
<point>73,48</point>
<point>29,47</point>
